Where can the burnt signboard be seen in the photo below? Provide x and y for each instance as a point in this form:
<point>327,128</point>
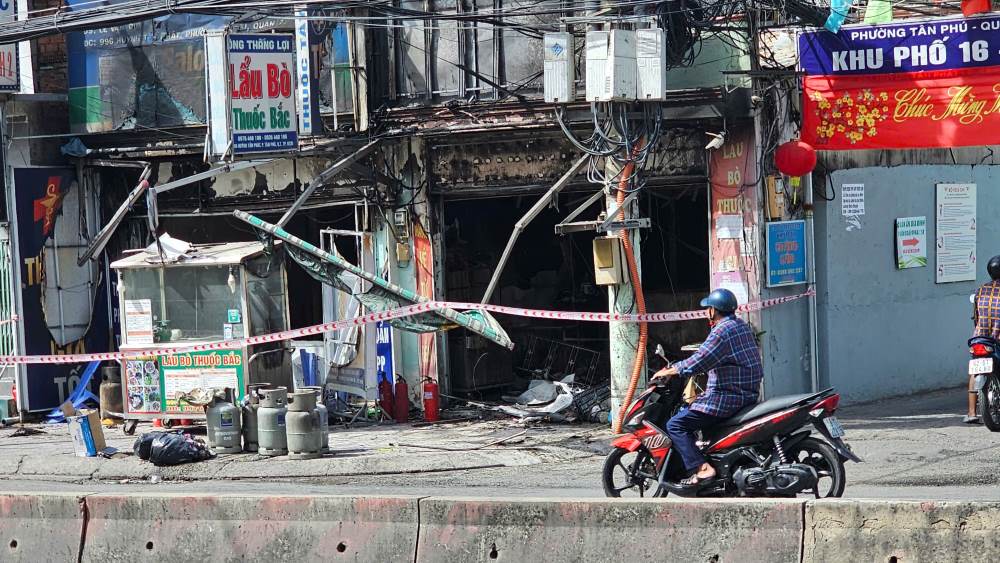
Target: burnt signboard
<point>143,75</point>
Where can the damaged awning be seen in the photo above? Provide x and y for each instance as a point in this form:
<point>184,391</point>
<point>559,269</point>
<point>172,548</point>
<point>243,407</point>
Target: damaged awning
<point>383,295</point>
<point>151,192</point>
<point>143,187</point>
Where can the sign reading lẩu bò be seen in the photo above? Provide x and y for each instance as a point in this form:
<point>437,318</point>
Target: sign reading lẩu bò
<point>912,84</point>
<point>262,93</point>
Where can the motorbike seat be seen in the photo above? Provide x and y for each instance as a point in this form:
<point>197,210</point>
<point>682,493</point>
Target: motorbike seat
<point>769,406</point>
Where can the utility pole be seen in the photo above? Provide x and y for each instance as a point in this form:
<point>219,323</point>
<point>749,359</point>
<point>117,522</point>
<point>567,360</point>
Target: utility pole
<point>623,337</point>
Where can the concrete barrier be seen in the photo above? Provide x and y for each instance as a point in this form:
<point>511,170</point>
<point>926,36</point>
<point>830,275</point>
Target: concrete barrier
<point>466,530</point>
<point>900,531</point>
<point>40,527</point>
<point>180,528</point>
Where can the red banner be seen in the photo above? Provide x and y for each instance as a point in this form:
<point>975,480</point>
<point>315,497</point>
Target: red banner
<point>734,180</point>
<point>424,258</point>
<point>952,108</point>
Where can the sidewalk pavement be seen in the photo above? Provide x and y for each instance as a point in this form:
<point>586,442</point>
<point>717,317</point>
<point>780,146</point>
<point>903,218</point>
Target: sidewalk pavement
<point>377,450</point>
<point>913,448</point>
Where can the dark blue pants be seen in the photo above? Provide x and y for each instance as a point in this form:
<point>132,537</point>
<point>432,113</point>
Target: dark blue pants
<point>681,429</point>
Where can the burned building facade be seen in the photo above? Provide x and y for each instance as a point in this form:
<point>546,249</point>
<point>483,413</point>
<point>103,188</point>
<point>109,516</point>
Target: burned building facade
<point>424,145</point>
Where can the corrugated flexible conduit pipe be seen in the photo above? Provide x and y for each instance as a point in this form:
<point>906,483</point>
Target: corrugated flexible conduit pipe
<point>640,300</point>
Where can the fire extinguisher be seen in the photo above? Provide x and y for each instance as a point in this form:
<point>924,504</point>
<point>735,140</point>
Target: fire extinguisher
<point>431,400</point>
<point>386,399</point>
<point>401,409</point>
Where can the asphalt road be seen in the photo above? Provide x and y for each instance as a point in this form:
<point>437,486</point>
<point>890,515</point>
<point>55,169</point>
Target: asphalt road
<point>914,448</point>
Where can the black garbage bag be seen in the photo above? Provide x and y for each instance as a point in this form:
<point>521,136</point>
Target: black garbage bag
<point>170,448</point>
<point>143,444</point>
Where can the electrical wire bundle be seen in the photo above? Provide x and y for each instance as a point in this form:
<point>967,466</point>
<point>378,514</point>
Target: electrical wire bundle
<point>622,131</point>
<point>686,21</point>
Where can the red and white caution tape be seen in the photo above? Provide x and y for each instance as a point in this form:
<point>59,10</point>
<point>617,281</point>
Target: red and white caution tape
<point>618,317</point>
<point>398,313</point>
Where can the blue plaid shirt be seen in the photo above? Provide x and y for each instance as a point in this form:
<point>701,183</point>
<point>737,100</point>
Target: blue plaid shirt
<point>731,356</point>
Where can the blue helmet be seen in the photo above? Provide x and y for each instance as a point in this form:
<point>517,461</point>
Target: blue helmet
<point>722,300</point>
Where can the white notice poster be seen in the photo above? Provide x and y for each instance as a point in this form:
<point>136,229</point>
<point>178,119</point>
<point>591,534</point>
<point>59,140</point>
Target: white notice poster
<point>729,226</point>
<point>138,321</point>
<point>852,200</point>
<point>956,233</point>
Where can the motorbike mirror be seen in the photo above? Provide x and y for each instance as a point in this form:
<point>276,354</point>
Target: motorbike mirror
<point>659,350</point>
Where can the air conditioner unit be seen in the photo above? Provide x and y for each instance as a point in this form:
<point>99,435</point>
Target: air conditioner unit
<point>559,67</point>
<point>651,63</point>
<point>611,66</point>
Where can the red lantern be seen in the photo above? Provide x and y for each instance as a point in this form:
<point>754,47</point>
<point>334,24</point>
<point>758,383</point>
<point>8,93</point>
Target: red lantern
<point>795,158</point>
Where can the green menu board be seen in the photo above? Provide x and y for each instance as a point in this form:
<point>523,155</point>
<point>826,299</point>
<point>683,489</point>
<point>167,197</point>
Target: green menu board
<point>153,384</point>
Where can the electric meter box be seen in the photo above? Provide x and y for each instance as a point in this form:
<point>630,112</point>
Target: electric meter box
<point>651,63</point>
<point>611,66</point>
<point>559,66</point>
<point>608,261</point>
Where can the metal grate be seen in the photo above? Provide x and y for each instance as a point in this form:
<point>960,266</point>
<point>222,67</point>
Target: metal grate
<point>551,359</point>
<point>7,330</point>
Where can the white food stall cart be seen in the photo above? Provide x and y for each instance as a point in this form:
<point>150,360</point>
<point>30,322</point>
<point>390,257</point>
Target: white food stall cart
<point>206,293</point>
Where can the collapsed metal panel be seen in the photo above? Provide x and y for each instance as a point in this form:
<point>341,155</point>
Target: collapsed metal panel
<point>383,295</point>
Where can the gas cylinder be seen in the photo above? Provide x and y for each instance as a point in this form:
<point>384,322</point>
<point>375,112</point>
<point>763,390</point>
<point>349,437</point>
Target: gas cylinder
<point>225,430</point>
<point>111,392</point>
<point>324,420</point>
<point>251,402</point>
<point>432,400</point>
<point>385,397</point>
<point>271,438</point>
<point>303,425</point>
<point>401,407</point>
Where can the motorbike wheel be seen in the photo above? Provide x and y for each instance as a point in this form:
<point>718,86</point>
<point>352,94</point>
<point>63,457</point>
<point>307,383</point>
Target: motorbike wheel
<point>630,474</point>
<point>989,403</point>
<point>828,465</point>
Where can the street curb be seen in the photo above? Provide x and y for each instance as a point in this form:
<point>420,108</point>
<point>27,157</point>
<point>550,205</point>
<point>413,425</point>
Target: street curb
<point>457,530</point>
<point>411,529</point>
<point>907,531</point>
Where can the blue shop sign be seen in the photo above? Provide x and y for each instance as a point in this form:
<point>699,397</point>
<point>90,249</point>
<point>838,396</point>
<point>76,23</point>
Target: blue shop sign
<point>902,47</point>
<point>786,253</point>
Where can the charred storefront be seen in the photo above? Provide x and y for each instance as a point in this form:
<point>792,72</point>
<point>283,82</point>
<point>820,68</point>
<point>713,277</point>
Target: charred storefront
<point>113,154</point>
<point>425,157</point>
<point>483,191</point>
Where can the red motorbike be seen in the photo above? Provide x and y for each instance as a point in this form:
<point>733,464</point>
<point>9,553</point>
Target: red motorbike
<point>764,450</point>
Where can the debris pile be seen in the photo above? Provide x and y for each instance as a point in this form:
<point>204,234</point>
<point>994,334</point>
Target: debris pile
<point>560,401</point>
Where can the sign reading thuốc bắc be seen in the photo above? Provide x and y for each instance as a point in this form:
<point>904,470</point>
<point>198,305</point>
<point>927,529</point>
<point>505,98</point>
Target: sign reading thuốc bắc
<point>263,115</point>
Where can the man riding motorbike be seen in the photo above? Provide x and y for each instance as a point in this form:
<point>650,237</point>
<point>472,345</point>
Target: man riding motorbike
<point>986,319</point>
<point>732,358</point>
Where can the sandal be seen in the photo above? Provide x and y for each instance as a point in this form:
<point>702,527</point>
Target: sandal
<point>971,420</point>
<point>695,481</point>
